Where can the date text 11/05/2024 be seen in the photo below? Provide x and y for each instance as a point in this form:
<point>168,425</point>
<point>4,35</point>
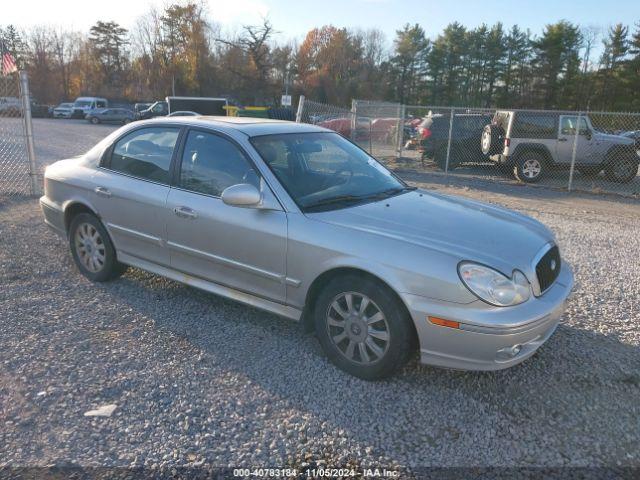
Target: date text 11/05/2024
<point>315,472</point>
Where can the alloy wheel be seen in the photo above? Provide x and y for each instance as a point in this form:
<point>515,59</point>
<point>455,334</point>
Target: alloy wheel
<point>358,328</point>
<point>90,247</point>
<point>531,168</point>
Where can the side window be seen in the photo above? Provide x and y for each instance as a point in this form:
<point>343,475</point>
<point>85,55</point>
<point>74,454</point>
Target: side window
<point>568,126</point>
<point>534,125</point>
<point>145,153</point>
<point>211,163</point>
<point>101,104</point>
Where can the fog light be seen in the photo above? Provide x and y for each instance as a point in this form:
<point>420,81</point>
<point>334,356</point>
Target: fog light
<point>508,353</point>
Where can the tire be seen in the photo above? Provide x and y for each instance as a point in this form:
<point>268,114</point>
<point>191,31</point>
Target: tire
<point>126,121</point>
<point>92,249</point>
<point>590,171</point>
<point>622,169</point>
<point>492,140</point>
<point>440,158</point>
<point>356,351</point>
<point>530,167</point>
<point>95,120</point>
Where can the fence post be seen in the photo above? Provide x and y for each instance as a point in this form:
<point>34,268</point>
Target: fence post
<point>400,139</point>
<point>446,165</point>
<point>574,151</point>
<point>354,119</point>
<point>28,130</point>
<point>300,107</point>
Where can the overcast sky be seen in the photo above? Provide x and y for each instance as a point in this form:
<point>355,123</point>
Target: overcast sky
<point>294,18</point>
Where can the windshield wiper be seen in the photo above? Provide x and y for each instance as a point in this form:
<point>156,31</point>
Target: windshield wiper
<point>357,198</point>
<point>335,200</point>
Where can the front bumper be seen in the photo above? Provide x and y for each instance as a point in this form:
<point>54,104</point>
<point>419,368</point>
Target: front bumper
<point>489,338</point>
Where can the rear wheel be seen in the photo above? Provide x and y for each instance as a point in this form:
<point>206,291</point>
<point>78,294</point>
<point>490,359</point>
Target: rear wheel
<point>530,167</point>
<point>440,158</point>
<point>363,327</point>
<point>95,120</point>
<point>92,249</point>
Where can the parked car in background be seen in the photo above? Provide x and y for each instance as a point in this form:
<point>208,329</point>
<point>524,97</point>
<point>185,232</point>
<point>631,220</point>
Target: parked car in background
<point>63,110</point>
<point>466,130</point>
<point>84,105</point>
<point>296,220</point>
<point>184,113</point>
<point>157,109</point>
<point>40,110</point>
<point>138,107</point>
<point>532,143</point>
<point>111,115</point>
<point>10,107</point>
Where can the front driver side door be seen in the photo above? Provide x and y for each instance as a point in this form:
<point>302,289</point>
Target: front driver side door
<point>566,140</point>
<point>241,248</point>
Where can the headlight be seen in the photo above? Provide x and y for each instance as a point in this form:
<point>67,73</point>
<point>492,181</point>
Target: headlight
<point>492,286</point>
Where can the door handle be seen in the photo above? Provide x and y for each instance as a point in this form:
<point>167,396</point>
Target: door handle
<point>103,192</point>
<point>562,139</point>
<point>185,212</point>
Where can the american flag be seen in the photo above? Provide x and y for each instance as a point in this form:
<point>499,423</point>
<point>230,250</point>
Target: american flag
<point>8,62</point>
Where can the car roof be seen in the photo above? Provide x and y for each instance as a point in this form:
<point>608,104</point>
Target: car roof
<point>250,126</point>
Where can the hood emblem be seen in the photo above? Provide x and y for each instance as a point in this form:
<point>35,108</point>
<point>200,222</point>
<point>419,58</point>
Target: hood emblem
<point>553,265</point>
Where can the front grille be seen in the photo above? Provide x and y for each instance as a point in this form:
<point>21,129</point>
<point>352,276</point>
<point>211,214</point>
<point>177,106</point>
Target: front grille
<point>548,268</point>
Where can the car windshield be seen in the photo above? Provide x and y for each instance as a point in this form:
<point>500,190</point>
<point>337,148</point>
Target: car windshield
<point>82,103</point>
<point>324,171</point>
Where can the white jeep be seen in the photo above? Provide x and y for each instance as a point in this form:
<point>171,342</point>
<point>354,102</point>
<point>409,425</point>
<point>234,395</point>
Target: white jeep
<point>531,143</point>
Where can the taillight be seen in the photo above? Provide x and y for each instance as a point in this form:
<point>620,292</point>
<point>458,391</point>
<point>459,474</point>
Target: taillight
<point>425,133</point>
<point>507,142</point>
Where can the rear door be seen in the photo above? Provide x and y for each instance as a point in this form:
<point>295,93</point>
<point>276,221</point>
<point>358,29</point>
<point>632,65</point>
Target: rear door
<point>242,248</point>
<point>131,190</point>
<point>567,139</point>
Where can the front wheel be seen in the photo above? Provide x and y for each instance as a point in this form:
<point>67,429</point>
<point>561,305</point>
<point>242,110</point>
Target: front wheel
<point>92,250</point>
<point>530,168</point>
<point>95,120</point>
<point>622,170</point>
<point>363,327</point>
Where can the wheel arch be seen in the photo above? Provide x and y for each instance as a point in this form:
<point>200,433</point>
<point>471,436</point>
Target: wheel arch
<point>524,148</point>
<point>615,151</point>
<point>75,207</point>
<point>325,277</point>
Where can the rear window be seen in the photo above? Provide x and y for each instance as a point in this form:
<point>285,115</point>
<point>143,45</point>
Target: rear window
<point>534,125</point>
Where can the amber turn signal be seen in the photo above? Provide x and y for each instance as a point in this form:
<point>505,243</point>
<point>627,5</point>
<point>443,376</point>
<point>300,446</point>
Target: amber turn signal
<point>444,323</point>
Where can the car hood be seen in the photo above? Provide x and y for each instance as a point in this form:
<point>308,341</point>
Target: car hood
<point>620,139</point>
<point>466,229</point>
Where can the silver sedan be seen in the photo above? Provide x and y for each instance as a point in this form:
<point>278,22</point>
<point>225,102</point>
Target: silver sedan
<point>297,220</point>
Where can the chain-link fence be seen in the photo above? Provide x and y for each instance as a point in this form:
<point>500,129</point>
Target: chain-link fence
<point>16,147</point>
<point>596,152</point>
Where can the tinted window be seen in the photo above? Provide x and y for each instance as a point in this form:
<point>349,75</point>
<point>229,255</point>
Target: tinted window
<point>145,153</point>
<point>211,163</point>
<point>532,125</point>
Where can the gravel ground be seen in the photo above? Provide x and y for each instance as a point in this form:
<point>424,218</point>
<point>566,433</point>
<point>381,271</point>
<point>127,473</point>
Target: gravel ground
<point>199,380</point>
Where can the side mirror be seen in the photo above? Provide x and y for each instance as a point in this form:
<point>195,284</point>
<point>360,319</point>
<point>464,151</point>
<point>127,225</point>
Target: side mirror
<point>587,134</point>
<point>242,195</point>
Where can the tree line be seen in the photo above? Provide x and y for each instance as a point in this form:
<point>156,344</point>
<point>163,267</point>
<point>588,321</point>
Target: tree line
<point>179,50</point>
